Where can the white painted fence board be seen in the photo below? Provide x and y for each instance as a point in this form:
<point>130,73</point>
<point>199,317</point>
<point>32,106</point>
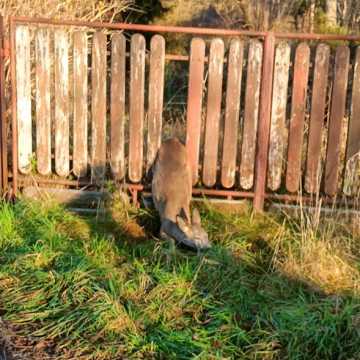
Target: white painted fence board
<point>80,152</point>
<point>61,46</point>
<point>278,130</point>
<point>23,98</point>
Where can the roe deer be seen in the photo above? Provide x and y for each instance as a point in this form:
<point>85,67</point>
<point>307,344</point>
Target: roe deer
<point>171,191</point>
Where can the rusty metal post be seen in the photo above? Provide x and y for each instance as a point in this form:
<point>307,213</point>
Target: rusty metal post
<point>264,121</point>
<point>14,129</point>
<point>3,148</point>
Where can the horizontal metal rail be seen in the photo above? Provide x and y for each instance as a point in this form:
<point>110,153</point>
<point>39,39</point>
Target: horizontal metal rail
<point>181,29</point>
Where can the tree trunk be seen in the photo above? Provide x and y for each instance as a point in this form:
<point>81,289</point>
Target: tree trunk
<point>311,16</point>
<point>331,11</point>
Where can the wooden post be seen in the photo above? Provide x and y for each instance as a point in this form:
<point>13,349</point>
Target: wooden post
<point>264,121</point>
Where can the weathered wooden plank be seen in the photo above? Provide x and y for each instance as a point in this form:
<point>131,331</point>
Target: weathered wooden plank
<point>318,101</point>
<point>194,103</point>
<point>351,180</point>
<point>23,98</point>
<point>136,129</point>
<point>232,111</point>
<point>98,107</point>
<point>156,95</point>
<point>337,113</point>
<point>298,107</point>
<point>80,152</point>
<point>43,98</point>
<point>251,113</point>
<point>62,158</point>
<point>353,145</point>
<point>213,112</point>
<point>117,105</point>
<point>278,129</point>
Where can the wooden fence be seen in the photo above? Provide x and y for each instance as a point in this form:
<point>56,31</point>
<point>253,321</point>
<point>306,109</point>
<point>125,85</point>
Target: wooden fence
<point>265,118</point>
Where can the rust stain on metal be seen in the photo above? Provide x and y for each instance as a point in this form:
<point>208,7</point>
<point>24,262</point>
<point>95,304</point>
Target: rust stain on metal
<point>337,113</point>
<point>298,108</point>
<point>61,45</point>
<point>213,112</point>
<point>194,103</point>
<point>23,97</point>
<point>43,111</point>
<point>137,84</point>
<point>251,114</point>
<point>156,95</point>
<point>319,92</point>
<point>232,111</point>
<point>264,121</point>
<point>117,105</point>
<point>98,107</point>
<point>278,131</point>
<point>80,152</point>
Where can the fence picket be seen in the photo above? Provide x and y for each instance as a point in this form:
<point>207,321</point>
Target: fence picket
<point>337,113</point>
<point>298,106</point>
<point>23,96</point>
<point>194,103</point>
<point>43,110</point>
<point>156,95</point>
<point>98,107</point>
<point>248,148</point>
<point>351,179</point>
<point>278,129</point>
<point>319,91</point>
<point>61,45</point>
<point>137,84</point>
<point>117,104</point>
<point>232,112</point>
<point>213,112</point>
<point>80,152</point>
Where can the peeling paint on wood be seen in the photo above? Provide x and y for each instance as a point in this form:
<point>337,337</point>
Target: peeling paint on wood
<point>98,107</point>
<point>61,45</point>
<point>319,92</point>
<point>117,105</point>
<point>80,156</point>
<point>352,172</point>
<point>213,112</point>
<point>43,98</point>
<point>251,114</point>
<point>232,111</point>
<point>194,103</point>
<point>23,96</point>
<point>278,130</point>
<point>156,95</point>
<point>137,85</point>
<point>337,113</point>
<point>298,107</point>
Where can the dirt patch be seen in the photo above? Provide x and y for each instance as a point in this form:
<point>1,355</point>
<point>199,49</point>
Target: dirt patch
<point>18,347</point>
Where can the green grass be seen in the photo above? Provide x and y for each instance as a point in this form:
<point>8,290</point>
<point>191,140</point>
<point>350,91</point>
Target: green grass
<point>94,291</point>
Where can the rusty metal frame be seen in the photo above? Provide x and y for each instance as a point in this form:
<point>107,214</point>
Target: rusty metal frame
<point>259,194</point>
<point>3,133</point>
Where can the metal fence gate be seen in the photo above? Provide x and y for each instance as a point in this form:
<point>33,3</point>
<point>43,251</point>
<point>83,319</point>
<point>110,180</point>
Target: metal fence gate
<point>268,115</point>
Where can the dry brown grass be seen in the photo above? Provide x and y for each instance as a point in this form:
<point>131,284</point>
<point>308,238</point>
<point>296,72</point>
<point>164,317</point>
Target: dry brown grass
<point>90,10</point>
